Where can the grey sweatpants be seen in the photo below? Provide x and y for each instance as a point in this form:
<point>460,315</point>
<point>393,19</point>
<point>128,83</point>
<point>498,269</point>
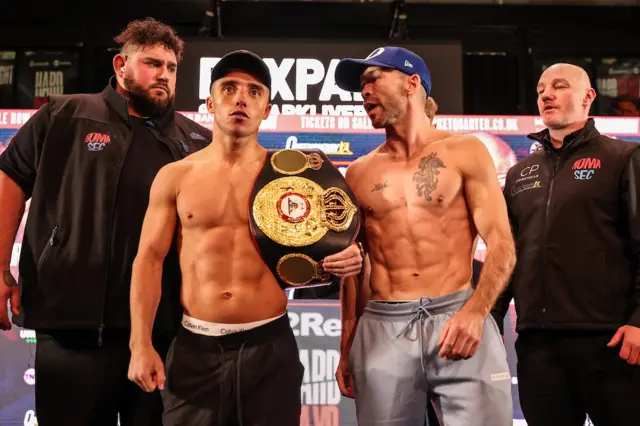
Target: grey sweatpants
<point>397,371</point>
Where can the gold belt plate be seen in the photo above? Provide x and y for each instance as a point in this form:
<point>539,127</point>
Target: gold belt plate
<point>297,212</point>
<point>293,161</point>
<point>297,269</point>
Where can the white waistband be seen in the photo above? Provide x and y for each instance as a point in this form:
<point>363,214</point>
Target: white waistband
<point>216,329</point>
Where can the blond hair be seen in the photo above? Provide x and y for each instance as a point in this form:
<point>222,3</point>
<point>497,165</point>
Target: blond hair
<point>430,108</point>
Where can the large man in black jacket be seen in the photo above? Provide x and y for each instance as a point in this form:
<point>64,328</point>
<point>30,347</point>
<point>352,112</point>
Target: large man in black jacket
<point>87,163</point>
<point>574,210</point>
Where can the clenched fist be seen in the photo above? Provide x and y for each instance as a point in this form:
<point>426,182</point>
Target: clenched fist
<point>146,369</point>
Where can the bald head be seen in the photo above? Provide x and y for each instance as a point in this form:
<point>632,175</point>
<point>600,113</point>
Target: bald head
<point>565,95</point>
<point>576,75</point>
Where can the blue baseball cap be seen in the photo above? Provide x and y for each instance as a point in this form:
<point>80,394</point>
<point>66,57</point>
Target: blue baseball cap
<point>349,70</point>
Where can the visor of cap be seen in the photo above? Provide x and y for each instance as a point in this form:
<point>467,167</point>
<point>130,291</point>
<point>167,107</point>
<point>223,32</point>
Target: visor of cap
<point>349,70</point>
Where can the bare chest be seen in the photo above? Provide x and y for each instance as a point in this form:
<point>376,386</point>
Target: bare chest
<point>218,197</point>
<point>427,185</point>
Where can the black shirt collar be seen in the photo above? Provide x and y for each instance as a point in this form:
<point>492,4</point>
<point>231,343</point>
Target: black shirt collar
<point>580,136</point>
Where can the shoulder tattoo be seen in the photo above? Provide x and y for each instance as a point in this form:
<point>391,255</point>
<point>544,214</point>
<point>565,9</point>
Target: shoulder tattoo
<point>426,178</point>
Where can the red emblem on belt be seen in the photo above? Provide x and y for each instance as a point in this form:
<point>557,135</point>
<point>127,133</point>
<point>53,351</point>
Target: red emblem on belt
<point>293,207</point>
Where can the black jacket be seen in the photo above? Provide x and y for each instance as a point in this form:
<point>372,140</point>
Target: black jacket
<point>574,214</point>
<point>68,159</point>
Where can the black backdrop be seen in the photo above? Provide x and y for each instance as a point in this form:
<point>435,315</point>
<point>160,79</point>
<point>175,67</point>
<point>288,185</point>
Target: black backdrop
<point>443,59</point>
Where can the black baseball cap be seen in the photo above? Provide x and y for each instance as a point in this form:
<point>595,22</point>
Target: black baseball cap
<point>245,61</point>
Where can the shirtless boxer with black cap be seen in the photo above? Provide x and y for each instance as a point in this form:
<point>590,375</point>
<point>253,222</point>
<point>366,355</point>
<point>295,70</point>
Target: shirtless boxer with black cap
<point>414,330</point>
<point>235,360</point>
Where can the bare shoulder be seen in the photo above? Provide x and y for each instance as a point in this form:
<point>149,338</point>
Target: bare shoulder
<point>357,168</point>
<point>465,143</point>
<point>461,143</point>
<point>175,170</point>
<point>441,135</point>
<point>190,164</point>
<point>468,152</point>
<point>170,176</point>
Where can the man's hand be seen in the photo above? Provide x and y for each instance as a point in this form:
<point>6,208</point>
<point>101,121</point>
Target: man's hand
<point>346,263</point>
<point>146,369</point>
<point>9,292</point>
<point>344,378</point>
<point>630,337</point>
<point>461,335</point>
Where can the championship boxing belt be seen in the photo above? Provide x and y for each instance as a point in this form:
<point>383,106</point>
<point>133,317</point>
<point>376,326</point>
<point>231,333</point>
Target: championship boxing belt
<point>301,211</point>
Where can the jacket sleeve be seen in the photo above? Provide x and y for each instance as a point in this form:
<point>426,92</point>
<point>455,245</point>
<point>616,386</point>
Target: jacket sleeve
<point>501,307</point>
<point>20,160</point>
<point>630,209</point>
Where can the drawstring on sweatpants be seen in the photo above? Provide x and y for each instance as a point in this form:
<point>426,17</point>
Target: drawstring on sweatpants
<point>420,313</point>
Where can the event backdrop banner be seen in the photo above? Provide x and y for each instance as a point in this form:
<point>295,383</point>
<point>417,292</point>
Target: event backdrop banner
<point>46,72</point>
<point>7,76</point>
<point>316,323</point>
<point>303,74</point>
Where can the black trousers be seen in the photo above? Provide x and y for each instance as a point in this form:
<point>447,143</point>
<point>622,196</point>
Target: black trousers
<point>82,384</point>
<point>250,378</point>
<point>563,376</point>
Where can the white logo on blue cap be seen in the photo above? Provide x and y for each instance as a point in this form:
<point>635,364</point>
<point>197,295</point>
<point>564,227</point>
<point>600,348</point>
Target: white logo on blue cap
<point>407,64</point>
<point>375,53</point>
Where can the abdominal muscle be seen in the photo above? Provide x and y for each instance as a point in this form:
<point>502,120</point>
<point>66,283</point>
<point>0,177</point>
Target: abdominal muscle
<point>419,256</point>
<point>224,279</point>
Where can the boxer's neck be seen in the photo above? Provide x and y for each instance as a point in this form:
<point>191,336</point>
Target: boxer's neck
<point>408,136</point>
<point>234,149</point>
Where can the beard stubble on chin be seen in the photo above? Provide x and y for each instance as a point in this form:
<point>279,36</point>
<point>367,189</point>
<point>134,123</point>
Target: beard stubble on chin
<point>395,107</point>
<point>142,101</point>
<point>558,123</point>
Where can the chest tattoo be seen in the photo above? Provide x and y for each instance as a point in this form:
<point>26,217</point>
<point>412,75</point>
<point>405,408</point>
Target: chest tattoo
<point>380,186</point>
<point>426,178</point>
